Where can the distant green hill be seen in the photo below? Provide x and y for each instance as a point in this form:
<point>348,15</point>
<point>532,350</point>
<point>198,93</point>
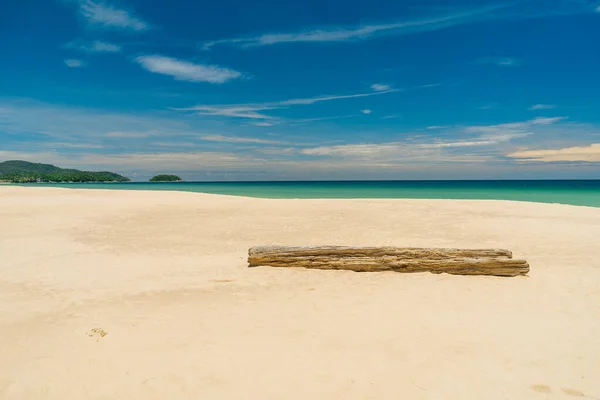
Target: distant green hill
<point>24,172</point>
<point>165,178</point>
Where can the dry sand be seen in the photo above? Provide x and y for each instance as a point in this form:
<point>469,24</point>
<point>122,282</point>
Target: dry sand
<point>147,295</point>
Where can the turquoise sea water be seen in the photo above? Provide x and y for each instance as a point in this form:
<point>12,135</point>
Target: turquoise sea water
<point>575,192</point>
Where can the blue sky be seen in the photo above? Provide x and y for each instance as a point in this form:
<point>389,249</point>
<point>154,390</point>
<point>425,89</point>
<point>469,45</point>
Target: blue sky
<point>238,90</point>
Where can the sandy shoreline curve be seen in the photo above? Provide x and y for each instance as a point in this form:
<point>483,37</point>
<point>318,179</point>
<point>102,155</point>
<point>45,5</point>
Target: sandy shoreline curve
<point>108,294</point>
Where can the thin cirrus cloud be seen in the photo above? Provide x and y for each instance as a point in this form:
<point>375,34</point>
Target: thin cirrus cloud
<point>340,34</point>
<point>488,136</point>
<point>505,11</point>
<point>254,111</point>
<point>391,151</point>
<point>514,129</point>
<point>101,14</point>
<point>183,70</point>
<point>500,61</point>
<point>73,63</point>
<point>541,107</point>
<point>394,148</point>
<point>96,46</point>
<point>130,134</point>
<point>76,124</point>
<point>380,87</point>
<point>433,127</point>
<point>241,111</point>
<point>236,139</point>
<point>338,97</point>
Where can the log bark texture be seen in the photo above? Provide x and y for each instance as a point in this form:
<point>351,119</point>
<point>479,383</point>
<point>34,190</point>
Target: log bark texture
<point>370,259</point>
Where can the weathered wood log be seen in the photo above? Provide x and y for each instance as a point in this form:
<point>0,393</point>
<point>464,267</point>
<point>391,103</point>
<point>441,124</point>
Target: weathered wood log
<point>369,259</point>
<point>405,252</point>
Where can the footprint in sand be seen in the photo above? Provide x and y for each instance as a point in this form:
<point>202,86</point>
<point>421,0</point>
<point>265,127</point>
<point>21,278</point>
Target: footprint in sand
<point>573,392</point>
<point>97,333</point>
<point>541,388</point>
<point>568,391</point>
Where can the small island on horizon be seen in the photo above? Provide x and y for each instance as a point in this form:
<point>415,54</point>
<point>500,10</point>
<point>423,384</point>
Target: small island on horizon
<point>166,178</point>
<point>17,171</point>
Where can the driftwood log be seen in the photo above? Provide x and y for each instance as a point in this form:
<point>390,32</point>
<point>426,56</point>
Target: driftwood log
<point>371,259</point>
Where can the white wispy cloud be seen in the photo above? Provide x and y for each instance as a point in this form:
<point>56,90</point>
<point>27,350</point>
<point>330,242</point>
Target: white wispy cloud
<point>389,153</point>
<point>338,97</point>
<point>102,14</point>
<point>188,145</point>
<point>589,153</point>
<point>437,127</point>
<point>131,134</point>
<point>500,61</point>
<point>186,71</point>
<point>430,85</point>
<point>252,111</point>
<point>428,147</point>
<point>405,148</point>
<point>73,124</point>
<point>73,63</point>
<point>541,107</point>
<point>236,139</point>
<point>144,143</point>
<point>149,161</point>
<point>513,127</point>
<point>236,111</point>
<point>366,111</point>
<point>213,163</point>
<point>339,34</point>
<point>380,87</point>
<point>546,121</point>
<point>115,132</point>
<point>494,12</point>
<point>307,120</point>
<point>280,164</point>
<point>76,145</point>
<point>96,46</point>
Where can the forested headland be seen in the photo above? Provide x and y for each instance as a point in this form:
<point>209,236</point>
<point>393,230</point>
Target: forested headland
<point>16,171</point>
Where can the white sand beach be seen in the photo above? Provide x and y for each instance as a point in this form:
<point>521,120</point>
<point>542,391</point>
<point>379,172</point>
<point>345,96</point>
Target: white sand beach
<point>147,295</point>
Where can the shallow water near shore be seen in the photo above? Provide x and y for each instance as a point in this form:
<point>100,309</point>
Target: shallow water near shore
<point>573,192</point>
